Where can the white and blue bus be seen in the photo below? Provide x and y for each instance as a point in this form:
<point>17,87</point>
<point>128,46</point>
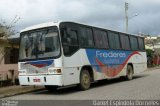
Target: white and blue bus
<point>57,54</point>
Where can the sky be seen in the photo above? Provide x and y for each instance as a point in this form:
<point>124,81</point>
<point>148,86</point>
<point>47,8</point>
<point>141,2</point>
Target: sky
<point>109,14</point>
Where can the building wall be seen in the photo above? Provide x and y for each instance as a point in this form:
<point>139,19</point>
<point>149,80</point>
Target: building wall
<point>148,38</point>
<point>6,74</point>
<point>1,59</point>
<point>5,69</point>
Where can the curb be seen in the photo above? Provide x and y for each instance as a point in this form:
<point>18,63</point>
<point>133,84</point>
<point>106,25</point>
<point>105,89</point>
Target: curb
<point>19,93</point>
<point>153,68</point>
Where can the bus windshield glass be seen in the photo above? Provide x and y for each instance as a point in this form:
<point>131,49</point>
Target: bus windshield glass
<point>39,44</point>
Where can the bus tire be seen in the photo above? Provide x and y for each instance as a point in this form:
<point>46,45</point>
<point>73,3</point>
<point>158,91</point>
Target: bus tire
<point>51,88</point>
<point>85,80</point>
<point>129,75</point>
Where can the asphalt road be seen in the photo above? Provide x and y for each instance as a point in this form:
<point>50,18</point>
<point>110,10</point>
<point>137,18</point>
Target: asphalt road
<point>145,86</point>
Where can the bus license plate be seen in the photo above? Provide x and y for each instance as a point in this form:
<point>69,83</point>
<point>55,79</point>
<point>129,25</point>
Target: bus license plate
<point>36,80</point>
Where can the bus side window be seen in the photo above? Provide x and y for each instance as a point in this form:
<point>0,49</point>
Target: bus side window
<point>73,37</point>
<point>86,37</point>
<point>125,41</point>
<point>134,43</point>
<point>70,42</point>
<point>114,41</point>
<point>101,40</point>
<point>141,43</point>
<point>69,39</point>
<point>64,37</point>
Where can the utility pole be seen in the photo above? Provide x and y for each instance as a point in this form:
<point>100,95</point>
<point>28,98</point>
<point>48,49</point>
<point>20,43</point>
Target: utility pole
<point>126,16</point>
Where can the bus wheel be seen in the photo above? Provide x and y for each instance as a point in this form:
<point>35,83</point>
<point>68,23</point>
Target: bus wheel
<point>85,80</point>
<point>51,88</point>
<point>129,75</point>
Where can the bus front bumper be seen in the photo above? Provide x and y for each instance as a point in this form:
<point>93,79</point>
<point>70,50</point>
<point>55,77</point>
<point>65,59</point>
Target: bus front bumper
<point>41,80</point>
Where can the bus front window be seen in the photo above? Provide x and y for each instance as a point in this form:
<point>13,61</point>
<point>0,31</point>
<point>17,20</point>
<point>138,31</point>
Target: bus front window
<point>39,44</point>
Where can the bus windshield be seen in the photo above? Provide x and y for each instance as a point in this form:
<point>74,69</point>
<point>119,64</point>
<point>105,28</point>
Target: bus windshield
<point>39,44</point>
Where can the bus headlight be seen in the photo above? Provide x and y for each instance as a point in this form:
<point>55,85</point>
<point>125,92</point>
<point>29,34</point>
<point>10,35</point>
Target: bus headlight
<point>55,71</point>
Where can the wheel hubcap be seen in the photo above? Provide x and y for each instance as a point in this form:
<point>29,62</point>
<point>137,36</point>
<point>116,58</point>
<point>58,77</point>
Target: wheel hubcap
<point>85,79</point>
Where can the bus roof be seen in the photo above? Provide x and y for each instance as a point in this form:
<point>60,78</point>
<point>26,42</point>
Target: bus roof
<point>49,24</point>
<point>42,25</point>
